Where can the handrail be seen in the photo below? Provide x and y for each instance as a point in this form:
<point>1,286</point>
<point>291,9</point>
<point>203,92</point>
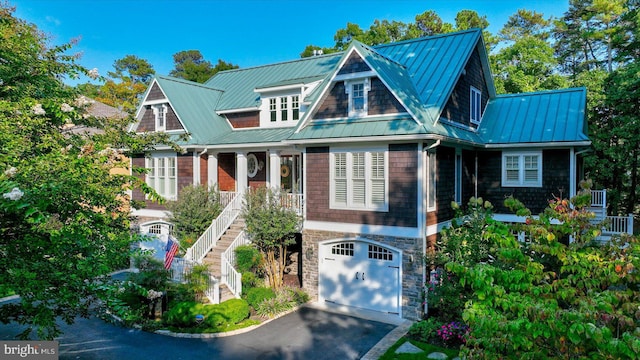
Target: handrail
<point>293,201</point>
<point>618,224</point>
<point>214,232</point>
<point>230,276</point>
<point>599,198</point>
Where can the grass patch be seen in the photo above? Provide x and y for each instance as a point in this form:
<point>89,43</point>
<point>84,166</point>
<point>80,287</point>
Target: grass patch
<point>5,291</point>
<point>428,348</point>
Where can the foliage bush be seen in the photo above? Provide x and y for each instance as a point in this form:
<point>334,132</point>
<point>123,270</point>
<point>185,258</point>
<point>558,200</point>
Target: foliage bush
<point>197,281</point>
<point>257,295</point>
<point>192,213</point>
<point>424,330</point>
<point>544,299</point>
<point>286,299</point>
<point>248,258</point>
<point>216,317</point>
<point>251,280</point>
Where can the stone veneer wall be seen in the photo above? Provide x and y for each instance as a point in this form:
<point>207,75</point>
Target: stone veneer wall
<point>412,281</point>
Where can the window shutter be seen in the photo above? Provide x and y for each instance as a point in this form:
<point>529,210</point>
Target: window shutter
<point>340,178</point>
<point>378,190</point>
<point>358,175</point>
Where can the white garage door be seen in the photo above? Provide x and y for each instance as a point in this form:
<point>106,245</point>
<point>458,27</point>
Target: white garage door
<point>361,274</point>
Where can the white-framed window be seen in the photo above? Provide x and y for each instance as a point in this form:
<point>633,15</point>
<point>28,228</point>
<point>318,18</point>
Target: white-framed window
<point>295,107</point>
<point>359,179</point>
<point>252,165</point>
<point>273,110</point>
<point>160,114</point>
<point>284,108</point>
<point>475,105</point>
<point>458,177</point>
<point>358,96</point>
<point>522,169</point>
<point>431,180</point>
<point>162,175</point>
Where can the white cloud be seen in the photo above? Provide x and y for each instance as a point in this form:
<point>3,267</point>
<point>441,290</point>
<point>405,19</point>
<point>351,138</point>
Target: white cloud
<point>53,20</point>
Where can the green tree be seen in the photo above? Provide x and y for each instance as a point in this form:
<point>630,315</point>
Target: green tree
<point>127,83</point>
<point>427,24</point>
<point>191,65</point>
<point>525,23</point>
<point>64,219</point>
<point>193,212</point>
<point>271,228</point>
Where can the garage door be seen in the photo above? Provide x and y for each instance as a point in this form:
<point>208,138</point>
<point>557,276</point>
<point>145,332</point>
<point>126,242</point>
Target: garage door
<point>361,274</point>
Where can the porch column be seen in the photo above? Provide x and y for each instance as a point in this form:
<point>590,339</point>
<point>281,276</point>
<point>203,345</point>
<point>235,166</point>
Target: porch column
<point>241,172</point>
<point>212,170</point>
<point>274,169</point>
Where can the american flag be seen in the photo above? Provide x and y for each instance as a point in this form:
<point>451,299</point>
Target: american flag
<point>171,249</point>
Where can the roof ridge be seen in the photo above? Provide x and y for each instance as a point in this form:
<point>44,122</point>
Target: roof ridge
<point>430,37</point>
<point>277,63</point>
<point>187,82</point>
<point>542,92</point>
<point>375,52</point>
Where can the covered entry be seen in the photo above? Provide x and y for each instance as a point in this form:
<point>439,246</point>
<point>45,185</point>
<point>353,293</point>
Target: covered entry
<point>360,273</point>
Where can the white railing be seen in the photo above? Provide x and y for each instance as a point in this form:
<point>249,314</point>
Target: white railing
<point>293,201</point>
<point>181,267</point>
<point>618,224</point>
<point>599,198</point>
<point>231,277</point>
<point>225,197</point>
<point>210,237</point>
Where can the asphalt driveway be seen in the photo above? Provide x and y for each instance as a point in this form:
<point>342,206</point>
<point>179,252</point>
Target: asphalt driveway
<point>308,333</point>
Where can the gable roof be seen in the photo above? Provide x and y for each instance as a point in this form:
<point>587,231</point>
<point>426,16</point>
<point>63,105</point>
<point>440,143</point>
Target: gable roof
<point>554,116</point>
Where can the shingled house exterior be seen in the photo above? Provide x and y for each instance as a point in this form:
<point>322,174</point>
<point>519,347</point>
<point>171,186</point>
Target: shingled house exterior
<point>376,142</point>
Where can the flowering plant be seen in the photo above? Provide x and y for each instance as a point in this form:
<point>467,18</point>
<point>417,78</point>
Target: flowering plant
<point>453,333</point>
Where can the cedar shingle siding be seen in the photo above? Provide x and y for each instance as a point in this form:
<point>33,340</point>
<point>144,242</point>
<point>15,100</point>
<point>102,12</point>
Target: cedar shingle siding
<point>148,120</point>
<point>354,64</point>
<point>244,120</point>
<point>155,93</point>
<point>381,100</point>
<point>555,181</point>
<point>335,104</point>
<point>403,187</point>
<point>459,104</point>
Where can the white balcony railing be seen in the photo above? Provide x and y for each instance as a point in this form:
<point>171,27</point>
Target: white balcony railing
<point>230,276</point>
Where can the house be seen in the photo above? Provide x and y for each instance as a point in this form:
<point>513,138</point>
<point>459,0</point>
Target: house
<point>371,145</point>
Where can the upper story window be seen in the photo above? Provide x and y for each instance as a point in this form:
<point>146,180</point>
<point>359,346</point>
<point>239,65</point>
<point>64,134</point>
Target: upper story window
<point>359,179</point>
<point>160,113</point>
<point>522,169</point>
<point>162,175</point>
<point>476,106</point>
<point>281,109</point>
<point>357,91</point>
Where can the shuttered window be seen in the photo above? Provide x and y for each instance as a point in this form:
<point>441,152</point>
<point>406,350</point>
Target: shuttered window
<point>359,179</point>
<point>522,169</point>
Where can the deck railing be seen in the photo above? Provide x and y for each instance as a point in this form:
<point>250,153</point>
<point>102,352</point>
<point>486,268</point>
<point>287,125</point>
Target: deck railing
<point>293,201</point>
<point>210,237</point>
<point>230,276</point>
<point>618,224</point>
<point>599,198</point>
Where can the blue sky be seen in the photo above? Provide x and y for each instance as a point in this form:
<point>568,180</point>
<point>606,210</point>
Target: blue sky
<point>243,32</point>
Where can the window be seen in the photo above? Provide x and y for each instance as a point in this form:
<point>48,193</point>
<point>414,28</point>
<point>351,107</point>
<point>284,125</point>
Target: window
<point>283,108</point>
<point>252,165</point>
<point>160,114</point>
<point>357,91</point>
<point>345,249</point>
<point>458,176</point>
<point>522,169</point>
<point>379,253</point>
<point>431,182</point>
<point>295,107</point>
<point>359,180</point>
<point>162,175</point>
<point>272,110</point>
<point>476,106</point>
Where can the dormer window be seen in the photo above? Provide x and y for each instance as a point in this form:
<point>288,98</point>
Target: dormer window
<point>273,109</point>
<point>357,91</point>
<point>476,106</point>
<point>295,107</point>
<point>281,109</point>
<point>160,113</point>
<point>284,104</point>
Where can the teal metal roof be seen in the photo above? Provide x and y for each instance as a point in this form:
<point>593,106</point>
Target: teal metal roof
<point>239,84</point>
<point>365,127</point>
<point>540,117</point>
<point>195,106</point>
<point>252,136</point>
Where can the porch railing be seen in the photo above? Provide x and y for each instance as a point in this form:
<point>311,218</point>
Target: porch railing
<point>618,224</point>
<point>230,276</point>
<point>225,197</point>
<point>293,201</point>
<point>181,267</point>
<point>210,237</point>
<point>599,198</point>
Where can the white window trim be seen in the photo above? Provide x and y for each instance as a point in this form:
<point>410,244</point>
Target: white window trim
<point>170,193</point>
<point>348,85</point>
<point>432,164</point>
<point>252,161</point>
<point>368,180</point>
<point>474,117</point>
<point>458,177</point>
<point>265,110</point>
<point>156,116</point>
<point>521,182</point>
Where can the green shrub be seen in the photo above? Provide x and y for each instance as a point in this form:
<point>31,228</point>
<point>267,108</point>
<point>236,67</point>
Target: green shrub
<point>234,310</point>
<point>178,293</point>
<point>217,317</point>
<point>193,212</point>
<point>285,299</point>
<point>182,314</point>
<point>198,281</point>
<point>424,330</point>
<point>251,280</point>
<point>257,295</point>
<point>248,258</point>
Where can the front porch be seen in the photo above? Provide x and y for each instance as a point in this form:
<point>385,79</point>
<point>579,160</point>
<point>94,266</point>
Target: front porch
<point>611,225</point>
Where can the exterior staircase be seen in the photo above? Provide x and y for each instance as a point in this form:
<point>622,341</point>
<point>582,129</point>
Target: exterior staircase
<point>213,259</point>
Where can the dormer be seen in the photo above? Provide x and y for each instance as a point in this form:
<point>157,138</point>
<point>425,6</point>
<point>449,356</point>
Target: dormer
<point>157,113</point>
<point>282,105</point>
